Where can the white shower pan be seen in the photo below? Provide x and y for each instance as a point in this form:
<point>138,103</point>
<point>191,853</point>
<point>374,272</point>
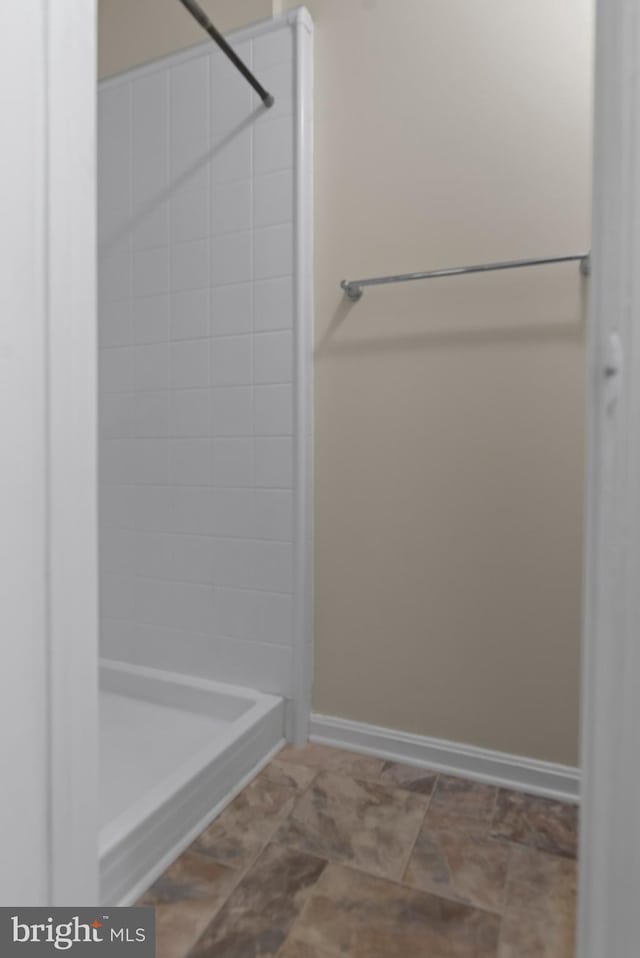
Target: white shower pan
<point>174,750</point>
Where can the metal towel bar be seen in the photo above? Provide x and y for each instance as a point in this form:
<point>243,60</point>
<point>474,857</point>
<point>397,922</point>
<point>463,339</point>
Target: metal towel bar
<point>354,287</point>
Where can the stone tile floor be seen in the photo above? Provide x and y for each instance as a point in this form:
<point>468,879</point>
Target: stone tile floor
<point>331,854</point>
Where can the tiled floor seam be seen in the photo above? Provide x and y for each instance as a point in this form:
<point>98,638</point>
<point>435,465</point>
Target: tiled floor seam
<point>493,814</point>
<point>343,864</point>
<point>498,912</point>
<point>297,790</point>
<point>242,872</point>
<point>308,894</point>
<point>506,902</point>
<point>512,843</point>
<point>214,914</point>
<point>209,858</point>
<point>412,848</point>
<point>392,881</point>
<point>303,910</point>
<point>432,894</point>
<point>400,884</point>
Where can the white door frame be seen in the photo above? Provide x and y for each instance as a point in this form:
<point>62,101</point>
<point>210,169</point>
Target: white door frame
<point>48,558</point>
<point>70,251</point>
<point>610,838</point>
<point>610,847</point>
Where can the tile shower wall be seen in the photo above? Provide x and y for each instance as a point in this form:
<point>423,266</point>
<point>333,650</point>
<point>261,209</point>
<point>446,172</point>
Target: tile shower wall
<point>196,366</point>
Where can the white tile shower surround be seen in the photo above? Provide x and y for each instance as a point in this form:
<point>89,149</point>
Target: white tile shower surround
<point>197,370</point>
<point>173,751</point>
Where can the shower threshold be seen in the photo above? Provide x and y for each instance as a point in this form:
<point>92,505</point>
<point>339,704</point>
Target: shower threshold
<point>174,750</point>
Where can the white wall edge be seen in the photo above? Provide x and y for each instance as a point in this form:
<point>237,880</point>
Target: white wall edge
<point>559,782</point>
<point>302,664</point>
<point>71,377</point>
<point>609,860</point>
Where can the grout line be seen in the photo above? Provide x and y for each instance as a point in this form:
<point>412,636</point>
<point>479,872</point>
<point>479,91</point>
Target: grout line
<point>451,897</point>
<point>261,643</point>
<point>203,535</point>
<point>208,584</point>
<point>171,340</point>
<point>303,790</point>
<point>418,832</point>
<point>506,893</point>
<point>350,866</point>
<point>172,290</point>
<point>309,892</point>
<point>222,903</point>
<point>493,814</point>
<point>251,862</point>
<point>169,388</point>
<point>213,488</point>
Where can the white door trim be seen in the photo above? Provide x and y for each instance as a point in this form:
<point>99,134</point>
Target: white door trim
<point>302,678</point>
<point>71,378</point>
<point>610,851</point>
<point>610,847</point>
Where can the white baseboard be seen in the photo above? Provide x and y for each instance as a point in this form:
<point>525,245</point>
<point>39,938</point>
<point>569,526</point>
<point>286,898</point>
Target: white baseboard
<point>560,782</point>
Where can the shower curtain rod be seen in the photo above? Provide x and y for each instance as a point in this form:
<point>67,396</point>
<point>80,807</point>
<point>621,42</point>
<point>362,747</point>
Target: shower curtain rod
<point>198,14</point>
<point>353,287</point>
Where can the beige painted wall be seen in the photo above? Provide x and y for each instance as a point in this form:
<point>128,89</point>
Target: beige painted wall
<point>449,414</point>
<point>131,32</point>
